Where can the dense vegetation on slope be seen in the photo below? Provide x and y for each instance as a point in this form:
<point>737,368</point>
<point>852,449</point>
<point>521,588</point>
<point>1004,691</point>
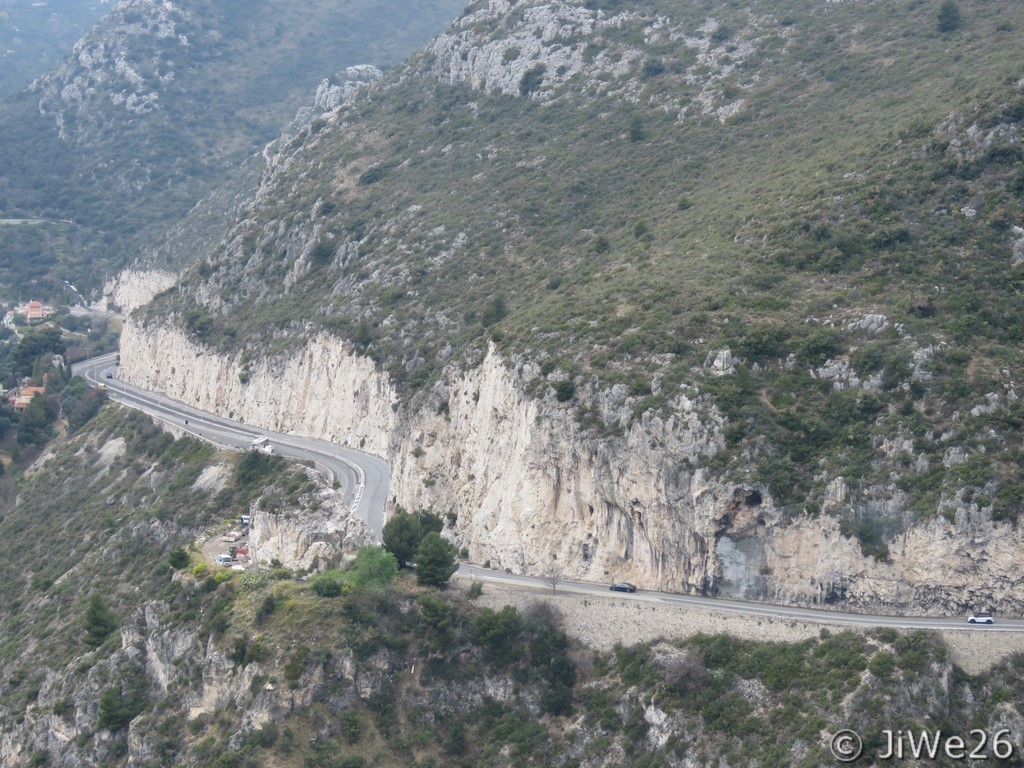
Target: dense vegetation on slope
<point>105,509</point>
<point>831,192</point>
<point>119,645</point>
<point>159,103</point>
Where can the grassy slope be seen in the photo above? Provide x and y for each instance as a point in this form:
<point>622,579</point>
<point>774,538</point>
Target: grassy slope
<point>439,681</point>
<point>602,237</point>
<point>95,520</point>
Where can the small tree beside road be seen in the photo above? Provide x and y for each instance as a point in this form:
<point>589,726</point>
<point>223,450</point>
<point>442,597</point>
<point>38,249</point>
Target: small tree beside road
<point>374,567</point>
<point>553,574</point>
<point>435,561</point>
<point>404,532</point>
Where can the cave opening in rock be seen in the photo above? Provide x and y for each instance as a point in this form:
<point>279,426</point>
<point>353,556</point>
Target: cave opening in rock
<point>753,499</point>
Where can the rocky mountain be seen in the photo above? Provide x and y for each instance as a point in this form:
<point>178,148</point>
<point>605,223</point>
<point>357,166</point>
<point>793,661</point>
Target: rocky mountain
<point>158,105</point>
<point>34,36</point>
<point>123,646</point>
<point>720,300</point>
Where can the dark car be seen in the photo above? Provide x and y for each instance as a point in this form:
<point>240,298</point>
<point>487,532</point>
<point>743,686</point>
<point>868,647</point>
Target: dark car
<point>110,375</point>
<point>623,586</point>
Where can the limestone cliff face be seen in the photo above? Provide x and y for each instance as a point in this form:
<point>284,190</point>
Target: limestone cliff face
<point>529,492</point>
<point>941,566</point>
<point>318,390</point>
<point>533,493</point>
<point>134,287</point>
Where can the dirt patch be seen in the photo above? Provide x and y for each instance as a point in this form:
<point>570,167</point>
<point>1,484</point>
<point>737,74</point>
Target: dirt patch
<point>212,479</point>
<point>213,544</point>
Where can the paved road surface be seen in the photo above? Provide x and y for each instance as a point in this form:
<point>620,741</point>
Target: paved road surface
<point>748,609</point>
<point>364,479</point>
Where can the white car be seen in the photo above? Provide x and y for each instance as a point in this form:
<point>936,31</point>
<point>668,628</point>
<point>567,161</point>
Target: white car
<point>980,618</point>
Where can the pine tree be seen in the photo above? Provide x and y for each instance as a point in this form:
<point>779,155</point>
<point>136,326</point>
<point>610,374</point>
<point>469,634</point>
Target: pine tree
<point>100,621</point>
<point>435,561</point>
<point>402,535</point>
<point>950,19</point>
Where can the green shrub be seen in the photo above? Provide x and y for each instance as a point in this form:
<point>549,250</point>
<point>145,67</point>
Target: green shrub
<point>532,80</point>
<point>63,707</point>
<point>296,666</point>
<point>178,558</point>
<point>435,561</point>
<point>883,665</point>
<point>499,633</point>
<point>266,737</point>
<point>122,703</point>
<point>950,18</point>
<point>821,345</point>
<point>322,253</point>
<point>327,584</point>
<point>351,727</point>
<point>564,390</point>
<point>374,567</point>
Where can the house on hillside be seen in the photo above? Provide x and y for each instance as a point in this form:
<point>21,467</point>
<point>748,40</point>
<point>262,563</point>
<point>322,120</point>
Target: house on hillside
<point>34,311</point>
<point>22,396</point>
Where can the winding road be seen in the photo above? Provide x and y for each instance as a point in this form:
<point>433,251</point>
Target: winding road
<point>364,481</point>
<point>363,478</point>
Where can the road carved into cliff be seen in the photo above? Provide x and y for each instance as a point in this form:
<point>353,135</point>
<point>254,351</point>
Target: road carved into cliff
<point>365,481</point>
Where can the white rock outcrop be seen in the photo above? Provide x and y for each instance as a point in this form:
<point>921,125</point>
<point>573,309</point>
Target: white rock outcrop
<point>566,46</point>
<point>321,391</point>
<point>132,288</point>
<point>1017,245</point>
<point>530,491</point>
<point>325,536</point>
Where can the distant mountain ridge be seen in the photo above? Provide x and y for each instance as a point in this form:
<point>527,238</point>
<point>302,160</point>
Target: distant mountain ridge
<point>162,100</point>
<point>35,35</point>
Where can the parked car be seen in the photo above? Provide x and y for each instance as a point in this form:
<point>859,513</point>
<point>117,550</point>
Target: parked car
<point>623,586</point>
<point>224,559</point>
<point>981,618</point>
